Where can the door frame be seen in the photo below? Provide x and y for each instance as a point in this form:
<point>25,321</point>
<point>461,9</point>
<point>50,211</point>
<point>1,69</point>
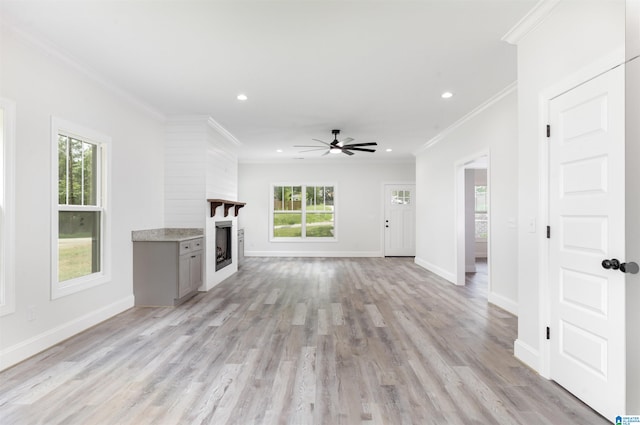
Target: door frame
<point>383,210</point>
<point>545,97</point>
<point>459,229</point>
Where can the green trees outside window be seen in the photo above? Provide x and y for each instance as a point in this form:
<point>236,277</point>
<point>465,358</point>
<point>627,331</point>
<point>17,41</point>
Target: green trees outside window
<point>79,209</point>
<point>303,212</point>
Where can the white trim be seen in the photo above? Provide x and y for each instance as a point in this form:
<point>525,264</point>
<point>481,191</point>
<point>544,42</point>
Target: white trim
<point>503,302</point>
<point>7,221</point>
<point>72,286</point>
<point>215,125</point>
<point>336,254</point>
<point>460,226</point>
<point>445,274</point>
<point>205,121</point>
<point>32,346</point>
<point>530,21</point>
<point>491,101</point>
<point>527,354</point>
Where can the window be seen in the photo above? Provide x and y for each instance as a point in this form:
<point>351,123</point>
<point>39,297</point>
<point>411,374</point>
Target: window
<point>401,197</point>
<point>80,226</point>
<point>303,212</point>
<point>481,212</point>
<point>7,143</point>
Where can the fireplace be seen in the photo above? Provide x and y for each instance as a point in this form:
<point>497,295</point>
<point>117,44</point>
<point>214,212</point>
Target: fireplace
<point>223,244</point>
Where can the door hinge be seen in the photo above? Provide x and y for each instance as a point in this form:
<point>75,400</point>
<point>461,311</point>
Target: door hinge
<point>548,333</point>
<point>548,232</point>
<point>548,130</point>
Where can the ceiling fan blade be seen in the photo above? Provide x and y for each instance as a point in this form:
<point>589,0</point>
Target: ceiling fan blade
<point>347,140</point>
<point>361,144</point>
<point>359,149</point>
<point>316,149</point>
<point>326,153</point>
<point>318,140</point>
<point>347,152</point>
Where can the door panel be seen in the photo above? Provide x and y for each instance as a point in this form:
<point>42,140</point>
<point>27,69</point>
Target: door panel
<point>400,217</point>
<point>586,213</point>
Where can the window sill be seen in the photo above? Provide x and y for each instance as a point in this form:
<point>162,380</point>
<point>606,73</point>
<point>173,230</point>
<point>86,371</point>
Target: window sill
<point>59,290</point>
<point>303,240</point>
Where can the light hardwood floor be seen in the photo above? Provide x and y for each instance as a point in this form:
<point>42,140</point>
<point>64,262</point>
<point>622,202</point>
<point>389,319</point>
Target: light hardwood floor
<point>297,341</point>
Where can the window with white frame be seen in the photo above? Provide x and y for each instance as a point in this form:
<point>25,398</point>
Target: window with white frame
<point>80,217</point>
<point>7,159</point>
<point>481,216</point>
<point>302,212</point>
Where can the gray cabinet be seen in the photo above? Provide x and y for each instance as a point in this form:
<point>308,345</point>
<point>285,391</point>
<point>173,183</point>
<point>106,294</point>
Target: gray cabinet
<point>166,273</point>
<point>240,247</point>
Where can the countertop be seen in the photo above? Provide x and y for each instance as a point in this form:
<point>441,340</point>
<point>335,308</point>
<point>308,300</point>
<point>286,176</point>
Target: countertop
<point>166,234</point>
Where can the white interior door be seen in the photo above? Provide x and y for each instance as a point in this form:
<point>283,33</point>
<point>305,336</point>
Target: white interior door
<point>400,220</point>
<point>586,212</point>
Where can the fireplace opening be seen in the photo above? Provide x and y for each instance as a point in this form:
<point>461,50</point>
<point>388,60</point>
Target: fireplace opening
<point>223,244</point>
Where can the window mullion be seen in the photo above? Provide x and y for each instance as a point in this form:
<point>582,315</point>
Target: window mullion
<point>66,164</point>
<point>82,173</point>
<point>303,212</point>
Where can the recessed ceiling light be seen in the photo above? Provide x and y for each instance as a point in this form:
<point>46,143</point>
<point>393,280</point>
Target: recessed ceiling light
<point>242,96</point>
<point>279,150</point>
<point>389,150</point>
<point>446,95</point>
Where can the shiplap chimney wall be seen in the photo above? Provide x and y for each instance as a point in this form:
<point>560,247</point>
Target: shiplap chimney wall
<point>200,163</point>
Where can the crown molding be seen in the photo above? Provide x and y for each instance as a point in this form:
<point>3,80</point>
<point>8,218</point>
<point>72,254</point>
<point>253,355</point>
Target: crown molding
<point>326,162</point>
<point>200,122</point>
<point>67,59</point>
<point>218,128</point>
<point>532,19</point>
<point>497,97</point>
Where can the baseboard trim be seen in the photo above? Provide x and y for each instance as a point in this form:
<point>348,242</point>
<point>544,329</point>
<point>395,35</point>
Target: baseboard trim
<point>32,346</point>
<point>340,254</point>
<point>436,270</point>
<point>526,354</point>
<point>504,303</point>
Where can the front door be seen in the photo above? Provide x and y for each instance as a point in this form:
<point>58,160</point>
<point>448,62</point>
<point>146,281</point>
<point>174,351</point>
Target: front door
<point>587,223</point>
<point>400,219</point>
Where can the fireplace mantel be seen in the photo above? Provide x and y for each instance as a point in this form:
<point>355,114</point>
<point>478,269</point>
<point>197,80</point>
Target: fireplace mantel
<point>227,205</point>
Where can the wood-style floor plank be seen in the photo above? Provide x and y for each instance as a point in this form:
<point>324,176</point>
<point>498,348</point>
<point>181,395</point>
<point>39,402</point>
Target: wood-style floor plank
<point>297,341</point>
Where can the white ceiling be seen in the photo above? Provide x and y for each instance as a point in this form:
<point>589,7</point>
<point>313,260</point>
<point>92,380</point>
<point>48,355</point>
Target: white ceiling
<point>374,69</point>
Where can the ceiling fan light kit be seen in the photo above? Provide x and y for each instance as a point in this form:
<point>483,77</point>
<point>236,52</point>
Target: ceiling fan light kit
<point>336,146</point>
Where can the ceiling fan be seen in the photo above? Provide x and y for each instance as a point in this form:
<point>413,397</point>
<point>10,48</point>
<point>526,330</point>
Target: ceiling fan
<point>338,146</point>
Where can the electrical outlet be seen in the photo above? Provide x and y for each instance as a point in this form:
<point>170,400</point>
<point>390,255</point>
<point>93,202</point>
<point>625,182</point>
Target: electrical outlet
<point>531,225</point>
<point>31,313</point>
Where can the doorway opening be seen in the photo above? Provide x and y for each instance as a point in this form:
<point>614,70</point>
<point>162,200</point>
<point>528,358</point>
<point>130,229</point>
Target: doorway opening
<point>473,224</point>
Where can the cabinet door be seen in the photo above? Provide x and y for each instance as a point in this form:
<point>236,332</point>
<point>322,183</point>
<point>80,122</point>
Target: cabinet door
<point>184,280</point>
<point>195,270</point>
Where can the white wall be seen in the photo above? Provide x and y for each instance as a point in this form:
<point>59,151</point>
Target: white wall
<point>42,85</point>
<point>359,208</point>
<point>493,130</point>
<point>575,35</point>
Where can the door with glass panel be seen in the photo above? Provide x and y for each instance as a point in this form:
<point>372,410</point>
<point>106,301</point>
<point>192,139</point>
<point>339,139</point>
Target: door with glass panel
<point>399,220</point>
